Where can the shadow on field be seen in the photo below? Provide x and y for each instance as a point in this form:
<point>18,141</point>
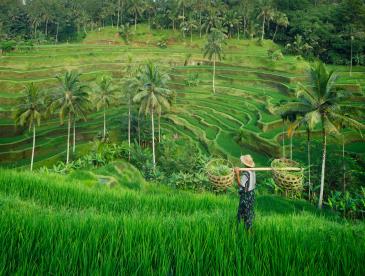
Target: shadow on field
<point>269,205</point>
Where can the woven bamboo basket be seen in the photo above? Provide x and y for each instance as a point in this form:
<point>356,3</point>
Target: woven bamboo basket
<point>220,182</point>
<point>289,181</point>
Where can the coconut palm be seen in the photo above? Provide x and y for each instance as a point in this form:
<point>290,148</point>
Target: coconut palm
<point>131,87</point>
<point>70,100</point>
<point>320,103</point>
<point>342,125</point>
<point>266,14</point>
<point>281,20</point>
<point>300,121</point>
<point>136,7</point>
<point>211,21</point>
<point>189,26</point>
<point>213,49</point>
<point>104,97</point>
<point>231,19</point>
<point>153,96</point>
<point>29,112</point>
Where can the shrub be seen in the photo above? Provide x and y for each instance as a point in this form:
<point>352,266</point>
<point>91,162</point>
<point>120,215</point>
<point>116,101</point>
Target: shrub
<point>179,155</point>
<point>8,46</point>
<point>350,205</point>
<point>25,46</point>
<point>162,43</point>
<point>260,42</point>
<point>126,33</point>
<point>192,79</point>
<point>189,181</point>
<point>277,55</point>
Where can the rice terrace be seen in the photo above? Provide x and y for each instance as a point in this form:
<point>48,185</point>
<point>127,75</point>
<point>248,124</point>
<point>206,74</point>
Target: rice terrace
<point>182,137</point>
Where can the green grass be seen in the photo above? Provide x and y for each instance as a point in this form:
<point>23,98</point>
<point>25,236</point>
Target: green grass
<point>59,225</point>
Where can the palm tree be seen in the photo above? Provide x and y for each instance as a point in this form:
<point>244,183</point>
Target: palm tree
<point>136,7</point>
<point>104,97</point>
<point>71,101</point>
<point>294,125</point>
<point>30,111</point>
<point>131,86</point>
<point>231,19</point>
<point>320,103</point>
<point>342,125</point>
<point>211,21</point>
<point>213,49</point>
<point>266,14</point>
<point>189,26</point>
<point>153,96</point>
<point>281,20</point>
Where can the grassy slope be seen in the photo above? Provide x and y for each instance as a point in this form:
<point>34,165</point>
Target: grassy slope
<point>246,80</point>
<point>56,224</point>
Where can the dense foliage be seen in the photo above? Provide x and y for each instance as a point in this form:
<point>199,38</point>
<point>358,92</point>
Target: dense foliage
<point>329,29</point>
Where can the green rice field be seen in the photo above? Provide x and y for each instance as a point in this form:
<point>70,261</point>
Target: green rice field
<point>248,83</point>
<point>52,224</point>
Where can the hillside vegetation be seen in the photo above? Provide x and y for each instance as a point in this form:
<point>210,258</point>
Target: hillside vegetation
<point>60,224</point>
<point>249,87</point>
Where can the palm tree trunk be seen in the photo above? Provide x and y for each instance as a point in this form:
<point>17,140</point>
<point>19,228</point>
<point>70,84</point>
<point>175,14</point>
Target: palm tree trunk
<point>244,26</point>
<point>200,24</point>
<point>118,19</point>
<point>68,138</point>
<point>213,73</point>
<point>238,32</point>
<point>46,30</point>
<point>135,22</point>
<point>159,128</point>
<point>320,202</point>
<point>129,129</point>
<point>351,57</point>
<point>291,147</point>
<point>153,141</point>
<point>74,136</point>
<point>104,130</point>
<point>191,36</point>
<point>263,28</point>
<point>58,24</point>
<point>276,29</point>
<point>309,164</point>
<point>343,164</point>
<point>283,139</point>
<point>139,131</point>
<point>33,148</point>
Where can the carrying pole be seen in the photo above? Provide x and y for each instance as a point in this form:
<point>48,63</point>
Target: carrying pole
<point>270,169</point>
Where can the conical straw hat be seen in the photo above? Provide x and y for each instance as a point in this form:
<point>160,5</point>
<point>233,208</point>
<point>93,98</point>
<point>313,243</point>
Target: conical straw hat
<point>247,160</point>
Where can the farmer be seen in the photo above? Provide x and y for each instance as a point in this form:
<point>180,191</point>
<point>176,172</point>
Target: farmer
<point>246,184</point>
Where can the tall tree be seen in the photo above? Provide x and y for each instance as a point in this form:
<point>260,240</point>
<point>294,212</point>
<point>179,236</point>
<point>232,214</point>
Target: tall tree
<point>29,112</point>
<point>320,103</point>
<point>136,7</point>
<point>70,100</point>
<point>231,20</point>
<point>266,13</point>
<point>131,86</point>
<point>153,96</point>
<point>213,49</point>
<point>104,97</point>
<point>281,20</point>
<point>189,26</point>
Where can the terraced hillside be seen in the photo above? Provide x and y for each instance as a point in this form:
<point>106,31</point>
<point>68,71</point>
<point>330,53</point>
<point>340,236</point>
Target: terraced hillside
<point>249,86</point>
